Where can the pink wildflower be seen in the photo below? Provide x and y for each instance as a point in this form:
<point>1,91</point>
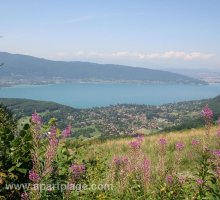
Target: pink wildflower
<point>50,151</point>
<point>135,144</point>
<point>217,153</point>
<point>67,132</point>
<point>195,142</point>
<point>180,146</point>
<point>120,160</point>
<point>199,181</point>
<point>162,141</point>
<point>146,163</point>
<point>52,135</point>
<point>53,132</point>
<point>182,179</point>
<point>33,176</point>
<point>36,118</point>
<point>77,170</point>
<point>207,113</point>
<point>146,169</point>
<point>53,142</point>
<point>169,179</point>
<point>117,160</point>
<point>24,196</point>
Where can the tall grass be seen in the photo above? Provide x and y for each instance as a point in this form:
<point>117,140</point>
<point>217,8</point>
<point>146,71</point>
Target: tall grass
<point>175,165</point>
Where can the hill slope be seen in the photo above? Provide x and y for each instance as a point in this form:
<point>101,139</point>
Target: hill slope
<point>27,69</point>
<point>125,119</point>
<point>173,163</point>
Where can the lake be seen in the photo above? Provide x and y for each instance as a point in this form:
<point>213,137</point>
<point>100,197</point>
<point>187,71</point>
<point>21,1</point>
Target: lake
<point>87,95</point>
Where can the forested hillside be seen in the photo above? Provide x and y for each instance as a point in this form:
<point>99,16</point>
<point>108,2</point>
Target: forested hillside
<point>122,119</point>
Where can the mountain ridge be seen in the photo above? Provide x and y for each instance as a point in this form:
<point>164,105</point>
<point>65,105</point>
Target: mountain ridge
<point>23,69</point>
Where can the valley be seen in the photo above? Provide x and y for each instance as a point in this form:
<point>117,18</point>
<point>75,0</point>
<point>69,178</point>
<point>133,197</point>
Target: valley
<point>116,120</point>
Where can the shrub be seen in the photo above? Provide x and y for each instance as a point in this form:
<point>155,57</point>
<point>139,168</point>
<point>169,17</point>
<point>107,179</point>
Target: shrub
<point>15,157</point>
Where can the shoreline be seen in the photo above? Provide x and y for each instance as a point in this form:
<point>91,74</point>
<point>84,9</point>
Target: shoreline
<point>103,82</point>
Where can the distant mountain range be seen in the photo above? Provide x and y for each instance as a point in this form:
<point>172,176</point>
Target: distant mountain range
<point>23,69</point>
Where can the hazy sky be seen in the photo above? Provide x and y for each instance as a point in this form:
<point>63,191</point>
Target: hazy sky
<point>151,33</point>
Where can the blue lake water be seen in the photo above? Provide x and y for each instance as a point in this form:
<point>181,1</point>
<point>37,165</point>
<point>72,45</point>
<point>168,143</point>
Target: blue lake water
<point>87,95</point>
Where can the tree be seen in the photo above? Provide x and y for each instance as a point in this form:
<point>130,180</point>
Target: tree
<point>15,160</point>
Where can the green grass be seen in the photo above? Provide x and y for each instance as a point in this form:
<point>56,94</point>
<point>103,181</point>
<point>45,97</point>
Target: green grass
<point>113,146</point>
<point>103,152</point>
<point>120,146</point>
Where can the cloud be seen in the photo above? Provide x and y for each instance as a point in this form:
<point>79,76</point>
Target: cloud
<point>167,55</point>
<point>99,16</point>
<point>120,53</point>
<point>178,55</point>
